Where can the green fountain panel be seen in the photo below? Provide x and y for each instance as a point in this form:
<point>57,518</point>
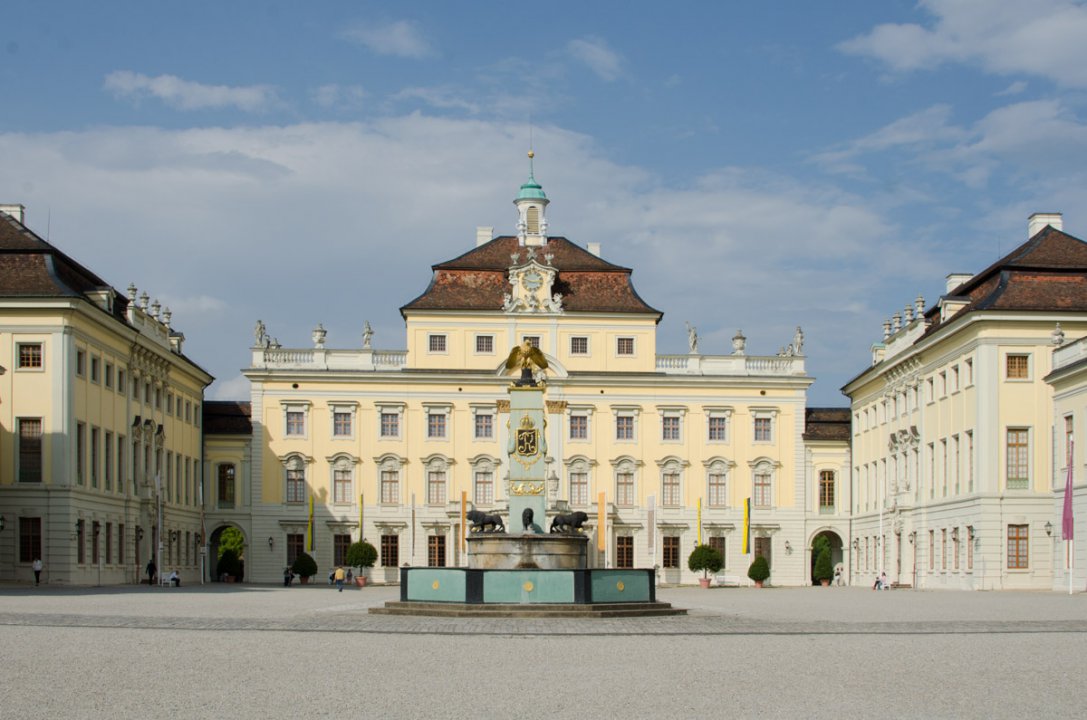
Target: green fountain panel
<point>528,586</point>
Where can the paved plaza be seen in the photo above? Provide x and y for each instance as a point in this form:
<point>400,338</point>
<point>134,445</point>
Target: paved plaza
<point>270,652</point>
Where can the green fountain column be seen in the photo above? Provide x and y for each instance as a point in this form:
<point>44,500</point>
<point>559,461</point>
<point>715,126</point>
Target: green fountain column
<point>527,449</point>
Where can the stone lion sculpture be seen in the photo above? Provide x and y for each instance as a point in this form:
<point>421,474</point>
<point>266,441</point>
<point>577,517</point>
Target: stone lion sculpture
<point>570,523</point>
<point>481,521</point>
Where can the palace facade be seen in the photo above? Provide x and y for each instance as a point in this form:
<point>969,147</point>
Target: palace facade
<point>100,415</point>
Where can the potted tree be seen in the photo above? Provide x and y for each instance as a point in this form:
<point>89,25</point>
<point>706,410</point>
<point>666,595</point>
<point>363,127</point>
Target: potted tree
<point>824,568</point>
<point>759,570</point>
<point>362,555</point>
<point>304,567</point>
<point>706,559</point>
<point>230,566</point>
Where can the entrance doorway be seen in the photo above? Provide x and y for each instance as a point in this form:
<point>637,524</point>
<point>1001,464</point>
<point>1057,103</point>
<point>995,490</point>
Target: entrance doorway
<point>831,540</point>
<point>223,538</point>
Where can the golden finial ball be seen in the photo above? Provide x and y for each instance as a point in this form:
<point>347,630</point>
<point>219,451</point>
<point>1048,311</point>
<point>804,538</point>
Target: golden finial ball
<point>531,154</point>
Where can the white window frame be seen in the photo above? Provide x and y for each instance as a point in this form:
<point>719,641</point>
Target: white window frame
<point>676,413</point>
<point>1030,366</point>
<point>343,462</point>
<point>588,346</point>
<point>625,411</point>
<point>766,466</point>
<point>340,407</point>
<point>633,346</point>
<point>479,411</point>
<point>718,466</point>
<point>625,465</point>
<point>294,462</point>
<point>446,411</point>
<point>719,413</point>
<point>292,406</point>
<point>435,338</point>
<point>18,356</point>
<point>770,414</point>
<point>484,464</point>
<point>585,411</point>
<point>583,465</point>
<point>396,409</point>
<point>437,464</point>
<point>390,463</point>
<point>672,466</point>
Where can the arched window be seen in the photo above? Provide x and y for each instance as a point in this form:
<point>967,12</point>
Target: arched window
<point>625,493</point>
<point>717,482</point>
<point>671,470</point>
<point>296,479</point>
<point>343,478</point>
<point>437,476</point>
<point>577,474</point>
<point>388,473</point>
<point>762,482</point>
<point>483,469</point>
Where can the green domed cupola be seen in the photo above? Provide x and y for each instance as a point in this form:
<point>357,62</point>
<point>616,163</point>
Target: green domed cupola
<point>530,202</point>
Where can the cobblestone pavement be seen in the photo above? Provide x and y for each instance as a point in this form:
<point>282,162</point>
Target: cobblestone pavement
<point>270,652</point>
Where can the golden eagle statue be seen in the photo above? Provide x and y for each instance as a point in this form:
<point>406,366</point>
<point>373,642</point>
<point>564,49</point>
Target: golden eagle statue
<point>526,356</point>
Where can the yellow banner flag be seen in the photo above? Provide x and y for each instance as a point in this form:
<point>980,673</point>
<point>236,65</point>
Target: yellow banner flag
<point>310,528</point>
<point>601,523</point>
<point>747,526</point>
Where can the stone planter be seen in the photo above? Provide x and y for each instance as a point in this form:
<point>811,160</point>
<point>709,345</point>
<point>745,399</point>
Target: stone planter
<point>824,582</point>
<point>758,583</point>
<point>360,580</point>
<point>704,582</point>
<point>304,580</point>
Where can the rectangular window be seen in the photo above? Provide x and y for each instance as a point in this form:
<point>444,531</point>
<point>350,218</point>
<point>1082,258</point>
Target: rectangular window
<point>30,450</point>
<point>1018,459</point>
<point>931,550</point>
<point>484,487</point>
<point>1018,547</point>
<point>340,543</point>
<point>670,551</point>
<point>122,464</point>
<point>484,426</point>
<point>624,346</point>
<point>435,425</point>
<point>296,486</point>
<point>296,544</point>
<point>390,487</point>
<point>717,542</point>
<point>762,490</point>
<point>96,532</point>
<point>169,403</point>
<point>225,493</point>
<point>188,411</point>
<point>826,490</point>
<point>390,425</point>
<point>624,427</point>
<point>80,451</point>
<point>30,356</point>
<point>296,423</point>
<point>341,424</point>
<point>943,549</point>
<point>435,487</point>
<point>670,427</point>
<point>121,544</point>
<point>624,551</point>
<point>1069,435</point>
<point>80,363</point>
<point>341,486</point>
<point>95,369</point>
<point>718,490</point>
<point>107,460</point>
<point>763,429</point>
<point>579,345</point>
<point>109,543</point>
<point>122,386</point>
<point>437,343</point>
<point>579,488</point>
<point>95,437</point>
<point>579,427</point>
<point>30,539</point>
<point>969,373</point>
<point>670,490</point>
<point>718,428</point>
<point>956,462</point>
<point>484,344</point>
<point>624,489</point>
<point>390,550</point>
<point>435,551</point>
<point>955,549</point>
<point>533,340</point>
<point>969,548</point>
<point>1018,367</point>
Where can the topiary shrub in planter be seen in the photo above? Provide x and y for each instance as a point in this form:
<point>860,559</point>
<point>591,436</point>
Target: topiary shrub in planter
<point>824,568</point>
<point>361,555</point>
<point>230,566</point>
<point>706,559</point>
<point>759,570</point>
<point>304,567</point>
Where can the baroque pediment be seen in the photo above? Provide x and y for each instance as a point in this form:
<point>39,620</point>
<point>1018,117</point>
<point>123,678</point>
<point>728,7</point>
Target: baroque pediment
<point>531,285</point>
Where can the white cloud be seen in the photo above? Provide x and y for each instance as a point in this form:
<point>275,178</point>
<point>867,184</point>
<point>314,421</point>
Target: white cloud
<point>1042,38</point>
<point>234,388</point>
<point>188,95</point>
<point>338,223</point>
<point>597,56</point>
<point>339,96</point>
<point>1016,88</point>
<point>444,98</point>
<point>400,38</point>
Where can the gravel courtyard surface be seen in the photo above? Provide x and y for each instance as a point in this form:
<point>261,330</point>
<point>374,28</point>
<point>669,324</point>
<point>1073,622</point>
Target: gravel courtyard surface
<point>271,652</point>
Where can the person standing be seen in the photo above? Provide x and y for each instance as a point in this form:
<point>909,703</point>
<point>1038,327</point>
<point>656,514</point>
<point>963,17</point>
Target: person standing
<point>340,574</point>
<point>36,566</point>
<point>151,569</point>
<point>288,576</point>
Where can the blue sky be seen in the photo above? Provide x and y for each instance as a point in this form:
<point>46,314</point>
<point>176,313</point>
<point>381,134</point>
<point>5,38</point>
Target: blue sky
<point>759,165</point>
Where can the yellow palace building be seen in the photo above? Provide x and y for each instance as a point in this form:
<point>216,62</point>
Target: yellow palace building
<point>338,444</point>
<point>100,423</point>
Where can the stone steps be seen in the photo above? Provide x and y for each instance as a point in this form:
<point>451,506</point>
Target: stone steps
<point>601,610</point>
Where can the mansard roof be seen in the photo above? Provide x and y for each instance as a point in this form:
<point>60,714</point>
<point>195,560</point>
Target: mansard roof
<point>479,279</point>
<point>228,417</point>
<point>1048,273</point>
<point>827,424</point>
<point>32,267</point>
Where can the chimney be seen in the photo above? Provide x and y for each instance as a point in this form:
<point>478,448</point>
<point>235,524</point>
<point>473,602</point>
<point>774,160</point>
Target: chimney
<point>1038,221</point>
<point>956,279</point>
<point>594,248</point>
<point>484,235</point>
<point>16,211</point>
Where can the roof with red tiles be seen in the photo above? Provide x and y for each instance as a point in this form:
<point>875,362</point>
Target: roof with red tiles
<point>228,417</point>
<point>827,424</point>
<point>479,280</point>
<point>1046,273</point>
